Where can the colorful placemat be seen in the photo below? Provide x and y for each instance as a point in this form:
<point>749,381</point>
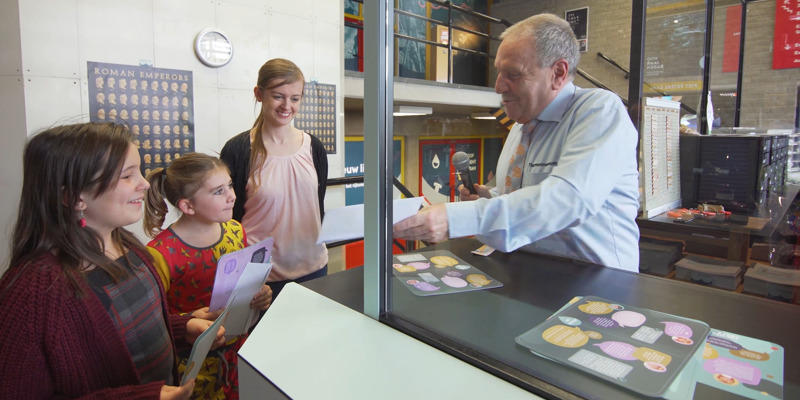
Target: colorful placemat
<point>439,272</point>
<point>640,349</point>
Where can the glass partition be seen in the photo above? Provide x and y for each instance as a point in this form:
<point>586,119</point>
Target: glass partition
<point>457,305</point>
<point>724,72</point>
<point>675,32</point>
<point>476,309</point>
<point>448,301</point>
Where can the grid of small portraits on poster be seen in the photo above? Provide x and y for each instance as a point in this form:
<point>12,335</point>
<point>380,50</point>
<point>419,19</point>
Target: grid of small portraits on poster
<point>158,113</point>
<point>317,114</point>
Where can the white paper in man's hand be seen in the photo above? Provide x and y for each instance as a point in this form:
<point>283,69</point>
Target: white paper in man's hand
<point>347,222</point>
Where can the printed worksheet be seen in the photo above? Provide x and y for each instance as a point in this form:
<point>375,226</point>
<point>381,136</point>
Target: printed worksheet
<point>740,365</point>
<point>231,266</point>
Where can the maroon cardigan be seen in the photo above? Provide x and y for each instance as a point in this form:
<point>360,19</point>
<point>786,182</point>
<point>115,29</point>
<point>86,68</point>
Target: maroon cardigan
<point>55,345</point>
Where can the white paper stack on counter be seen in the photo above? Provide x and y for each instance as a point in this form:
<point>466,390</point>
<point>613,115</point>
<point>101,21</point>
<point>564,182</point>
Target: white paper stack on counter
<point>772,282</point>
<point>723,274</point>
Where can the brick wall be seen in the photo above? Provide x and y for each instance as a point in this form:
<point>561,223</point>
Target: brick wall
<point>769,96</point>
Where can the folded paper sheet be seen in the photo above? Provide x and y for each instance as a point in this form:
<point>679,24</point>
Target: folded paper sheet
<point>347,222</point>
<point>231,266</point>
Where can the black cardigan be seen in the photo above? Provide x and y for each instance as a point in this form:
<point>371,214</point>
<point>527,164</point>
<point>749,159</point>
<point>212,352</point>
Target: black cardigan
<point>236,153</point>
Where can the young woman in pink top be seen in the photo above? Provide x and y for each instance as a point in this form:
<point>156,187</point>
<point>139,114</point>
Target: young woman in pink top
<point>279,174</point>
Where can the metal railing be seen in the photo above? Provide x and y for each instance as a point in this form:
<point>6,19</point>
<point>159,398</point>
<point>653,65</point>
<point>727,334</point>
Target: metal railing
<point>450,47</point>
<point>628,74</point>
<point>451,9</point>
<point>450,28</point>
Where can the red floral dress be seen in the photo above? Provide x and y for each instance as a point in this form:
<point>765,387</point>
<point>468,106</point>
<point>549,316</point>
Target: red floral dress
<point>188,275</point>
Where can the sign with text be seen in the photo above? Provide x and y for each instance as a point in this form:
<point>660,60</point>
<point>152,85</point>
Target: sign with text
<point>786,53</point>
<point>354,166</point>
<point>733,28</point>
<point>155,103</point>
<point>579,22</point>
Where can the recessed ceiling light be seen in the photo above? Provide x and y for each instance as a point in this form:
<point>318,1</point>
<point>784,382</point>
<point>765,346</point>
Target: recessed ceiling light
<point>403,111</point>
<point>481,115</point>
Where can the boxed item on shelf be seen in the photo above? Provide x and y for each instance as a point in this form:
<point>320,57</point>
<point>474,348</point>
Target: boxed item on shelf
<point>773,283</point>
<point>734,170</point>
<point>658,256</point>
<point>761,251</point>
<point>723,274</point>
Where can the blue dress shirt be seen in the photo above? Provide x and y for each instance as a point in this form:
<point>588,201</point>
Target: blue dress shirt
<point>580,187</point>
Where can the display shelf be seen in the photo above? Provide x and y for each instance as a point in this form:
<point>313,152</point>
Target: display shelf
<point>735,235</point>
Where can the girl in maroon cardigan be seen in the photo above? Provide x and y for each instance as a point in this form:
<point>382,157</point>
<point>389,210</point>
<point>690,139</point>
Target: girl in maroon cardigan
<point>82,309</point>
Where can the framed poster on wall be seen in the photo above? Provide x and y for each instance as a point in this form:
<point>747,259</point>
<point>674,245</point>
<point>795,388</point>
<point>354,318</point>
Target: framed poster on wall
<point>155,103</point>
<point>438,180</point>
<point>353,36</point>
<point>786,44</point>
<point>317,115</point>
<point>579,21</point>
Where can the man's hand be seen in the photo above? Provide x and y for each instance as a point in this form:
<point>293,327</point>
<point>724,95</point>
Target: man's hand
<point>429,224</point>
<point>481,191</point>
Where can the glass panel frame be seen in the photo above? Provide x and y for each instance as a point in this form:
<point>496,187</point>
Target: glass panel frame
<point>380,288</point>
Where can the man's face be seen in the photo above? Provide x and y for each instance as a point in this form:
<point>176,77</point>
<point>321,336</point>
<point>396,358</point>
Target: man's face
<point>526,88</point>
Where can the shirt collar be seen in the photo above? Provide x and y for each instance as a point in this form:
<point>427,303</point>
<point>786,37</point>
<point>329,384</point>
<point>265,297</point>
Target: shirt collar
<point>555,110</point>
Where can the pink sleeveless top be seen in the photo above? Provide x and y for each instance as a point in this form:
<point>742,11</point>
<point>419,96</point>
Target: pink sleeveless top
<point>286,207</point>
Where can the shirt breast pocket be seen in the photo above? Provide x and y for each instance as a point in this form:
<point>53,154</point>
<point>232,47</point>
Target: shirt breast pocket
<point>537,174</point>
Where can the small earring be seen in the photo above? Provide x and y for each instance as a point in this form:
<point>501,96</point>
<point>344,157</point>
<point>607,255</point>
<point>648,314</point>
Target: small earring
<point>82,220</point>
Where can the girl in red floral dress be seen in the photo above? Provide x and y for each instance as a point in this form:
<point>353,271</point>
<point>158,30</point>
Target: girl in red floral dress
<point>186,253</point>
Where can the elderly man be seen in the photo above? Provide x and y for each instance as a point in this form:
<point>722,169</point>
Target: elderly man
<point>567,176</point>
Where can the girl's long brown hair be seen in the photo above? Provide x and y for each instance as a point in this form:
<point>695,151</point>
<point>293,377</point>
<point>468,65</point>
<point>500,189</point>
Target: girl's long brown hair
<point>59,164</point>
<point>274,73</point>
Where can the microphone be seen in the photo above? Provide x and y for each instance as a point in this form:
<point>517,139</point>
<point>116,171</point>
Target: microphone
<point>461,164</point>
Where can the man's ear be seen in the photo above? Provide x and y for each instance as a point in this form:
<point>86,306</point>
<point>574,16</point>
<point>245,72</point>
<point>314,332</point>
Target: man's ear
<point>186,206</point>
<point>560,74</point>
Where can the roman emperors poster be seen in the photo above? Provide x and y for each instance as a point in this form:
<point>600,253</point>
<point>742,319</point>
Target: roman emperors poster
<point>155,103</point>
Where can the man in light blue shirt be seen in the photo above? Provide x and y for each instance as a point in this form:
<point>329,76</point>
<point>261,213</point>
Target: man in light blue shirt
<point>573,188</point>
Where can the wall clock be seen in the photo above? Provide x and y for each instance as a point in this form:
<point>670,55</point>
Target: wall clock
<point>213,48</point>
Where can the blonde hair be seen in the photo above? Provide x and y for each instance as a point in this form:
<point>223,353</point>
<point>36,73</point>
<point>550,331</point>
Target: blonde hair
<point>181,180</point>
<point>274,73</point>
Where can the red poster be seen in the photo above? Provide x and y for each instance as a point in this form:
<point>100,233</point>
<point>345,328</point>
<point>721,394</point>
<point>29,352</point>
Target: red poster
<point>787,35</point>
<point>733,28</point>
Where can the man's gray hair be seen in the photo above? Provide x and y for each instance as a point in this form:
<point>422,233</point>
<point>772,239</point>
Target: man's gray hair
<point>552,38</point>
